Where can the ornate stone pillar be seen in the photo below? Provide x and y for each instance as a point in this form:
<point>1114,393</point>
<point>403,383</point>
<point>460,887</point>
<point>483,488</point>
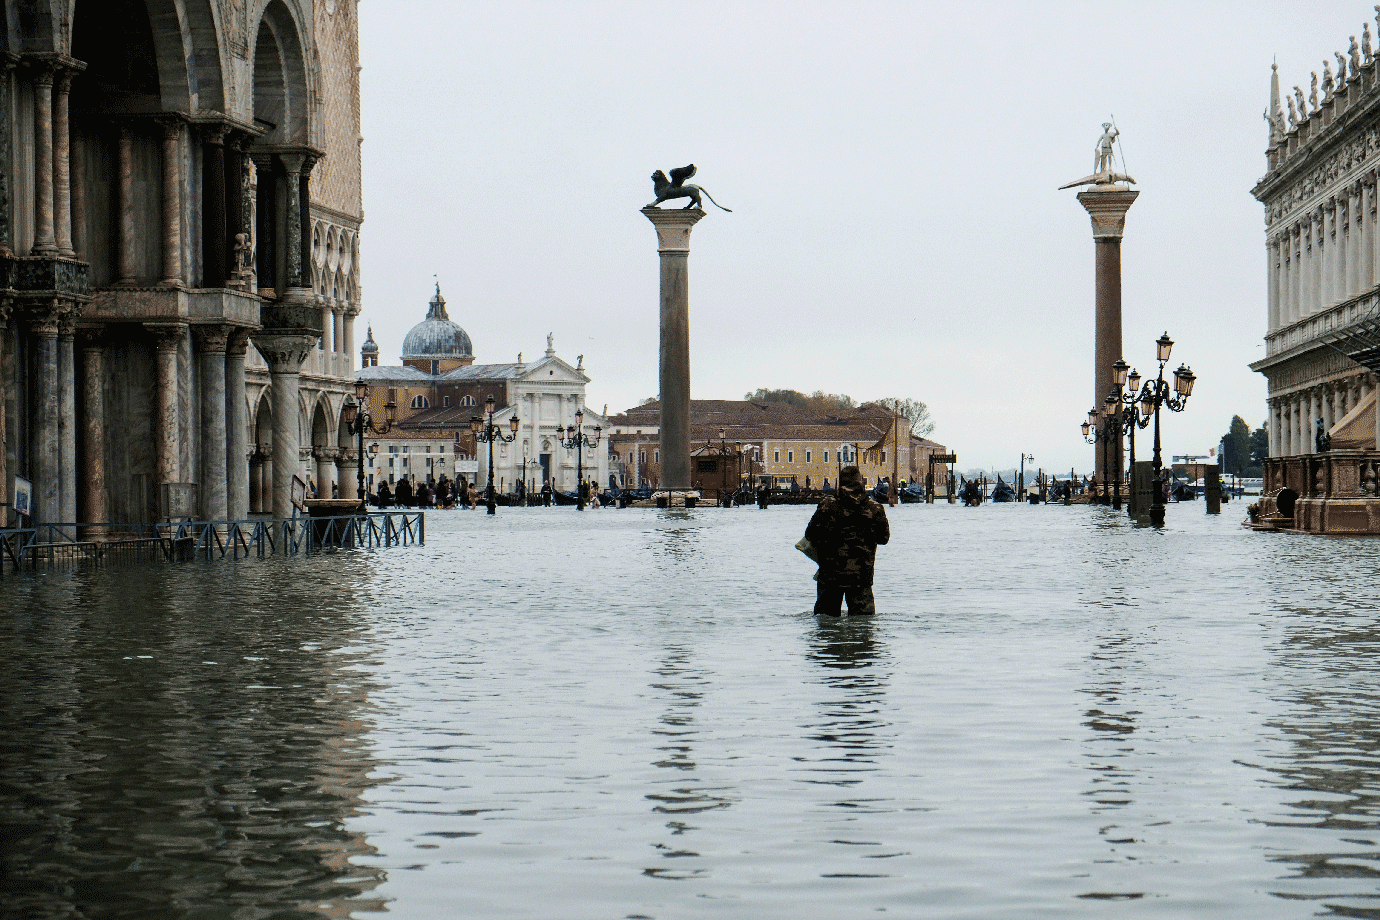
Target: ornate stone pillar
<point>44,242</point>
<point>77,168</point>
<point>46,445</point>
<point>125,264</point>
<point>284,354</point>
<point>1272,425</point>
<point>260,472</point>
<point>325,470</point>
<point>293,163</point>
<point>67,418</point>
<point>1355,234</point>
<point>167,429</point>
<point>351,311</point>
<point>237,448</point>
<point>1328,287</point>
<point>211,344</point>
<point>1315,263</point>
<point>93,431</point>
<point>673,248</point>
<point>1297,273</point>
<point>172,202</point>
<point>248,195</point>
<point>62,165</point>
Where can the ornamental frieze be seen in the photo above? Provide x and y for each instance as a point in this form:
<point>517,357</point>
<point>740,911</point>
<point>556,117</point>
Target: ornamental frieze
<point>1325,176</point>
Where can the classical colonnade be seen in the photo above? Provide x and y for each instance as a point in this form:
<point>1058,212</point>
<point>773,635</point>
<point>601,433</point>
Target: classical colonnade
<point>1325,255</point>
<point>1293,417</point>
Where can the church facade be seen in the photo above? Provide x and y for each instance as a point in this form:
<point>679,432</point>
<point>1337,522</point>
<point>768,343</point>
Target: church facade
<point>180,205</point>
<point>438,389</point>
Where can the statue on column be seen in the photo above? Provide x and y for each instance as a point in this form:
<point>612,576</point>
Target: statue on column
<point>1103,173</point>
<point>677,187</point>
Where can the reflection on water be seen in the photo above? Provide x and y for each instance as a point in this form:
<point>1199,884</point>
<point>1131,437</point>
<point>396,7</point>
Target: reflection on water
<point>169,752</point>
<point>632,713</point>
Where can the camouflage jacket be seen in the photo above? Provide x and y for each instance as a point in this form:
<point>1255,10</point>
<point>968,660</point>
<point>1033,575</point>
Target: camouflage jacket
<point>846,530</point>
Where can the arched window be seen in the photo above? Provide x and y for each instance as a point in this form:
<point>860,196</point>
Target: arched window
<point>419,402</point>
<point>467,400</point>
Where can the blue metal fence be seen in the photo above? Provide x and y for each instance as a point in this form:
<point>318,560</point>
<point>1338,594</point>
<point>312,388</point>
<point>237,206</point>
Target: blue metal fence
<point>51,545</point>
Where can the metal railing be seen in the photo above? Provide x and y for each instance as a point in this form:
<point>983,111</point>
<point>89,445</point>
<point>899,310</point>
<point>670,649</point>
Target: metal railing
<point>53,545</point>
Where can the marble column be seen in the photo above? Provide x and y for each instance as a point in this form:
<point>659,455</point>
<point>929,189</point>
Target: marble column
<point>172,203</point>
<point>1355,234</point>
<point>1272,426</point>
<point>1328,263</point>
<point>6,154</point>
<point>77,167</point>
<point>237,447</point>
<point>94,508</point>
<point>44,242</point>
<point>6,307</point>
<point>260,473</point>
<point>1297,274</point>
<point>1272,286</point>
<point>67,417</point>
<point>292,164</point>
<point>46,451</point>
<point>1107,206</point>
<point>125,267</point>
<point>284,353</point>
<point>673,248</point>
<point>211,343</point>
<point>167,427</point>
<point>213,236</point>
<point>62,165</point>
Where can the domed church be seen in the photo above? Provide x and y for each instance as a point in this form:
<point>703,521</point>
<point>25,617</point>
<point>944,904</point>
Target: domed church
<point>438,388</point>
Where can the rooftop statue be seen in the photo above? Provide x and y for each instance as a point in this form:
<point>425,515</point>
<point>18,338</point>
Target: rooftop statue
<point>1103,173</point>
<point>1341,71</point>
<point>1293,115</point>
<point>1366,54</point>
<point>1303,108</point>
<point>1355,52</point>
<point>676,187</point>
<point>1313,92</point>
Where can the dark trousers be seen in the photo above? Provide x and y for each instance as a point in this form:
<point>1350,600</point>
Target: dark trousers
<point>829,600</point>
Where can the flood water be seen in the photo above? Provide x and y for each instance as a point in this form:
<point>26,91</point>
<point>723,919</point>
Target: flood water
<point>633,714</point>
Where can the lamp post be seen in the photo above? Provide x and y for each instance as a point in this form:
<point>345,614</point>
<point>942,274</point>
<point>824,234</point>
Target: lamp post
<point>1020,481</point>
<point>724,452</point>
<point>488,431</point>
<point>358,420</point>
<point>1157,394</point>
<point>575,437</point>
<point>1100,428</point>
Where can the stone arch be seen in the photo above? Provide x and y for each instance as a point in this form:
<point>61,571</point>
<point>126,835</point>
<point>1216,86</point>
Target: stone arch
<point>321,423</point>
<point>281,78</point>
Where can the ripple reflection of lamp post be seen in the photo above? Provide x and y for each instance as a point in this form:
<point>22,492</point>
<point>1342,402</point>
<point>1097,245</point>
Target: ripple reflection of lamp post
<point>488,431</point>
<point>357,419</point>
<point>575,437</point>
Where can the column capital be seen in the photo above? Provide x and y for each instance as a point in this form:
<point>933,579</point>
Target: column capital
<point>237,342</point>
<point>92,338</point>
<point>1107,209</point>
<point>67,320</point>
<point>44,318</point>
<point>673,226</point>
<point>166,336</point>
<point>284,352</point>
<point>211,339</point>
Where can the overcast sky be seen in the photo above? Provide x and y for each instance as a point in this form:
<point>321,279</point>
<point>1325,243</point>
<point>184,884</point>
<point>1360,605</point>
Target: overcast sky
<point>894,173</point>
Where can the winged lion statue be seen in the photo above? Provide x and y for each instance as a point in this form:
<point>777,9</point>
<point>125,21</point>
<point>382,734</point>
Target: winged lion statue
<point>676,187</point>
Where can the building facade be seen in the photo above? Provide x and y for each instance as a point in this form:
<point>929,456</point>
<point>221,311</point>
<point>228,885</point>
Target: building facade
<point>438,389</point>
<point>179,253</point>
<point>777,441</point>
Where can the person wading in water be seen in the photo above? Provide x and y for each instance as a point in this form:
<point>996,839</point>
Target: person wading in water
<point>846,530</point>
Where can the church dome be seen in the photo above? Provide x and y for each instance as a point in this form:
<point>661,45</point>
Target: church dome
<point>370,347</point>
<point>436,337</point>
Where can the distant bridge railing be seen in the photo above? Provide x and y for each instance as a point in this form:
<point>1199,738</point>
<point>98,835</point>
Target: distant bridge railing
<point>54,545</point>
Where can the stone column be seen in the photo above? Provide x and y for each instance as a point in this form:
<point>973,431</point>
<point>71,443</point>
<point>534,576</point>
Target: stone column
<point>236,426</point>
<point>1272,272</point>
<point>673,247</point>
<point>211,344</point>
<point>1355,233</point>
<point>213,237</point>
<point>44,242</point>
<point>46,446</point>
<point>325,470</point>
<point>292,164</point>
<point>77,167</point>
<point>6,305</point>
<point>67,418</point>
<point>167,428</point>
<point>248,202</point>
<point>7,63</point>
<point>284,354</point>
<point>62,166</point>
<point>93,431</point>
<point>125,266</point>
<point>259,472</point>
<point>351,311</point>
<point>338,338</point>
<point>1272,426</point>
<point>1298,274</point>
<point>1327,289</point>
<point>1107,206</point>
<point>172,203</point>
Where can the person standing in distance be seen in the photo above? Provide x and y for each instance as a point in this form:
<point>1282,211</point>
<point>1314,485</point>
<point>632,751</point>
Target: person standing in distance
<point>846,530</point>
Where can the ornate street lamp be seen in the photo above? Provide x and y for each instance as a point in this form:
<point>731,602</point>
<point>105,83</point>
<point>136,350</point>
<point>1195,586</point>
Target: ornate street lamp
<point>357,419</point>
<point>1138,409</point>
<point>488,431</point>
<point>575,437</point>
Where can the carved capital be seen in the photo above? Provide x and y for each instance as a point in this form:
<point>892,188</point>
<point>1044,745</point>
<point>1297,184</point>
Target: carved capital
<point>1108,211</point>
<point>67,320</point>
<point>673,227</point>
<point>213,133</point>
<point>211,339</point>
<point>284,352</point>
<point>92,338</point>
<point>44,318</point>
<point>166,336</point>
<point>237,342</point>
